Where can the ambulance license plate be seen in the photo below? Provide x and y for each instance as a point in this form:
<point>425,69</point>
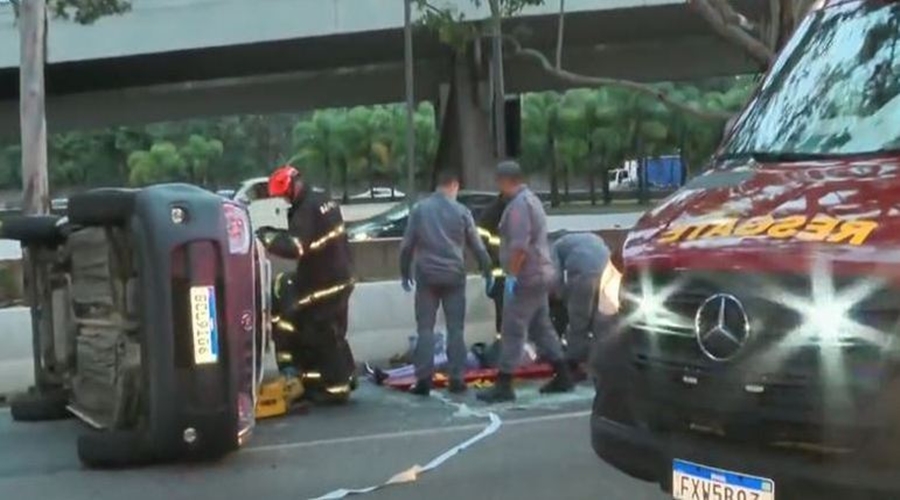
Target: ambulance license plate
<point>691,481</point>
<point>203,325</point>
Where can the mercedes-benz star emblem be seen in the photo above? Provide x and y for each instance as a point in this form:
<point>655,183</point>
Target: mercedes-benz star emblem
<point>721,327</point>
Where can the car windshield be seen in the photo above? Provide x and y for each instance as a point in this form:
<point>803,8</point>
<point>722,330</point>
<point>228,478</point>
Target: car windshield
<point>835,90</point>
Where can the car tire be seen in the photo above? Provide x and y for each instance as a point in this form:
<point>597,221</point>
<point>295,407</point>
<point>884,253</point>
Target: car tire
<point>41,230</point>
<point>40,407</point>
<point>102,207</point>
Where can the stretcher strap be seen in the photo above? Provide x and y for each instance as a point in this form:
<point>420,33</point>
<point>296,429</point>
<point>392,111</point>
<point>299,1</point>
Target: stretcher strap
<point>411,474</point>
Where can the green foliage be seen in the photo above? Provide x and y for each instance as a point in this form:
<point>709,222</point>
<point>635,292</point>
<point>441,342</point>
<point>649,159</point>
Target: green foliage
<point>576,135</point>
<point>586,131</point>
<point>161,163</point>
<point>454,28</point>
<point>81,11</point>
<point>86,11</point>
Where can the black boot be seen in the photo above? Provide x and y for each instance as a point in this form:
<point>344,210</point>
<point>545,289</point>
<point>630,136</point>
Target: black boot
<point>577,371</point>
<point>422,388</point>
<point>457,386</point>
<point>501,391</point>
<point>561,381</point>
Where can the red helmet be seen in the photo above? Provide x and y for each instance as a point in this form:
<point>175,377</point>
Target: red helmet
<point>281,182</point>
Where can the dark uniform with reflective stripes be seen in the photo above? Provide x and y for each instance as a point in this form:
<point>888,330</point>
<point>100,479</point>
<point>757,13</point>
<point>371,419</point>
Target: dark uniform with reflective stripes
<point>488,225</point>
<point>319,293</point>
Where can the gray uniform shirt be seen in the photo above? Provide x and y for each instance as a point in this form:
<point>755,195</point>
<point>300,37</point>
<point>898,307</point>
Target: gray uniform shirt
<point>523,226</point>
<point>579,254</point>
<point>438,230</point>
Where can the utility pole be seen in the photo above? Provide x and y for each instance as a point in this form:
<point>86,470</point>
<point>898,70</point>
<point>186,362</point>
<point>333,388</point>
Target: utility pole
<point>410,101</point>
<point>499,87</point>
<point>33,123</point>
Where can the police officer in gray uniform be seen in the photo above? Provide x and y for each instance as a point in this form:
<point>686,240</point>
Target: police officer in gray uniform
<point>437,233</point>
<point>579,260</point>
<point>525,257</point>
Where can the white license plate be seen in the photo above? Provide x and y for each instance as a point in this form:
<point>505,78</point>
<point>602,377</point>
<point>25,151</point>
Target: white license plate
<point>203,325</point>
<point>691,481</point>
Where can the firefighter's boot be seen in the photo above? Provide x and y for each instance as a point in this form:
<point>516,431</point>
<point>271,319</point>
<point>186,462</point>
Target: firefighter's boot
<point>561,381</point>
<point>502,391</point>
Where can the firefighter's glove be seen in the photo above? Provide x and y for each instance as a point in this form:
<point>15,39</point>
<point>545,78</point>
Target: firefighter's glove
<point>267,235</point>
<point>510,286</point>
<point>407,284</point>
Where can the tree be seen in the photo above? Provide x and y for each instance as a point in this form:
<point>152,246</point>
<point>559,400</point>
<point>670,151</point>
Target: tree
<point>540,129</point>
<point>33,51</point>
<point>198,155</point>
<point>759,41</point>
<point>161,163</point>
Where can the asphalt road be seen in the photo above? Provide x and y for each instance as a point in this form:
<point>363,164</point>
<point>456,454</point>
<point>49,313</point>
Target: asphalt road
<point>541,451</point>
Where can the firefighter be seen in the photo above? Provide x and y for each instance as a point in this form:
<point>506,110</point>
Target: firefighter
<point>313,330</point>
<point>437,234</point>
<point>487,229</point>
<point>579,260</point>
<point>529,274</point>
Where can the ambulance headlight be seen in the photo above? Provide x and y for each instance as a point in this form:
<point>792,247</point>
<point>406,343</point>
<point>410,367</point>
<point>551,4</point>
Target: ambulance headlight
<point>609,290</point>
<point>646,307</point>
<point>827,311</point>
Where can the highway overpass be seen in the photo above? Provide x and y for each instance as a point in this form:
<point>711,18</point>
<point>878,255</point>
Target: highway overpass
<point>174,59</point>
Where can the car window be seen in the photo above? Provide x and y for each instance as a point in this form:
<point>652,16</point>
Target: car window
<point>257,191</point>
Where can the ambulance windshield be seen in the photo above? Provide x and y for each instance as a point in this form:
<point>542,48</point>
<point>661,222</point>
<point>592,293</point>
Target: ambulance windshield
<point>834,91</point>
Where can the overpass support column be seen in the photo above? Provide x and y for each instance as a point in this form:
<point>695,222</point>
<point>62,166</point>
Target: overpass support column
<point>466,141</point>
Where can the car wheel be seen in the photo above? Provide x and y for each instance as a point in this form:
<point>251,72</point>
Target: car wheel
<point>40,407</point>
<point>102,207</point>
<point>33,229</point>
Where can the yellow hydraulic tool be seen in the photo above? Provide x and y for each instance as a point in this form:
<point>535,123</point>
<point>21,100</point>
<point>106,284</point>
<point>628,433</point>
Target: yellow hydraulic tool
<point>277,396</point>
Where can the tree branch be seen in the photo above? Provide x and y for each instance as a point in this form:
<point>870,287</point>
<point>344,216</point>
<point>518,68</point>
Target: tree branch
<point>425,4</point>
<point>584,80</point>
<point>717,14</point>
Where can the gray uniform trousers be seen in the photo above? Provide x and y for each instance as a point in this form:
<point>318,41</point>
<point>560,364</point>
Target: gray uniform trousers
<point>526,315</point>
<point>581,295</point>
<point>452,298</point>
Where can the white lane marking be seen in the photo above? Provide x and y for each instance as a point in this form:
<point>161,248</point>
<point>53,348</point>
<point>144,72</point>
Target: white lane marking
<point>420,432</point>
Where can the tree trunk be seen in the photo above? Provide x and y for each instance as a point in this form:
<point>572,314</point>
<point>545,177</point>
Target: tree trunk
<point>498,84</point>
<point>592,186</point>
<point>604,173</point>
<point>592,174</point>
<point>345,179</point>
<point>408,62</point>
<point>785,16</point>
<point>370,174</point>
<point>33,122</point>
<point>554,172</point>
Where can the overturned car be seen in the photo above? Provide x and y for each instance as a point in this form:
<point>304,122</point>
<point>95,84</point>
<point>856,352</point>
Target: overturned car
<point>149,321</point>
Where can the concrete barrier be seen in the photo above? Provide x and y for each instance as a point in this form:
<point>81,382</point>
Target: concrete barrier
<point>381,315</point>
<point>16,366</point>
<point>380,322</point>
<point>381,318</point>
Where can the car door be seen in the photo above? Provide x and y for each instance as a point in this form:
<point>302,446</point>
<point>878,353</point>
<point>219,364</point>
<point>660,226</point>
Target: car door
<point>264,210</point>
